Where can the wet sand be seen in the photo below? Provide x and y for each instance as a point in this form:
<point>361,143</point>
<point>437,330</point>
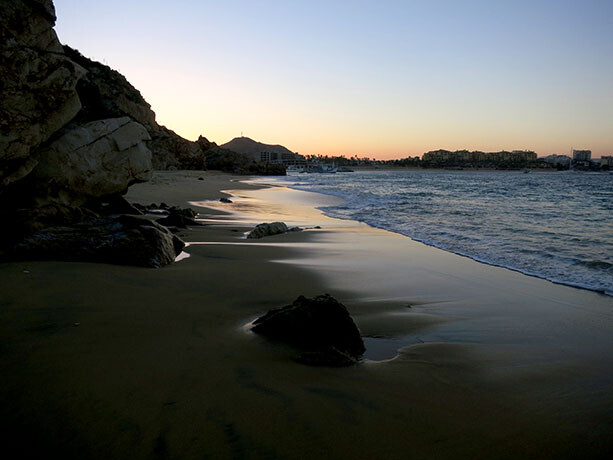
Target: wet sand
<point>465,360</point>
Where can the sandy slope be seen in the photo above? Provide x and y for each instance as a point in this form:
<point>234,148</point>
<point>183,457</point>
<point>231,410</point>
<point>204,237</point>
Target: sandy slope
<point>115,362</point>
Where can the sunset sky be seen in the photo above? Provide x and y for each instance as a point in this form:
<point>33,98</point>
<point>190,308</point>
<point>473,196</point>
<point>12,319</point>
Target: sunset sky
<point>383,79</point>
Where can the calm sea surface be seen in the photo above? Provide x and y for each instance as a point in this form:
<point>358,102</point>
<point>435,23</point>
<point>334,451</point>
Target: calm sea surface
<point>557,226</point>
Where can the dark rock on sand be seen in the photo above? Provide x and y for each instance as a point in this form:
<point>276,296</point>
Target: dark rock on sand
<point>225,200</point>
<point>23,222</point>
<point>125,240</point>
<point>174,216</point>
<point>265,229</point>
<point>274,228</point>
<point>321,328</point>
<point>179,217</point>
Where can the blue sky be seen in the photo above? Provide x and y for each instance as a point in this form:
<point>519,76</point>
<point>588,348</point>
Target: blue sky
<point>384,79</point>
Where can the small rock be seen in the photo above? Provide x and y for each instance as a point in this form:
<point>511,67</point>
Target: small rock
<point>179,217</point>
<point>225,200</point>
<point>201,178</point>
<point>262,230</point>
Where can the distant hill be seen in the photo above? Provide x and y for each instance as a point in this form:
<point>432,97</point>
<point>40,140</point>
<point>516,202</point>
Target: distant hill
<point>254,149</point>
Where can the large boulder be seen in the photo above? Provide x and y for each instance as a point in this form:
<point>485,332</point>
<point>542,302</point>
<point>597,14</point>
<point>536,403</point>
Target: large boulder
<point>124,240</point>
<point>19,223</point>
<point>38,92</point>
<point>321,328</point>
<point>100,158</point>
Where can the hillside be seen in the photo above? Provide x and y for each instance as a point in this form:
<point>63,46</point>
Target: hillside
<point>253,148</point>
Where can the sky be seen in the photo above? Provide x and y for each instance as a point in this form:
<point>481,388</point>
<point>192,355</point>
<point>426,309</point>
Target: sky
<point>384,79</point>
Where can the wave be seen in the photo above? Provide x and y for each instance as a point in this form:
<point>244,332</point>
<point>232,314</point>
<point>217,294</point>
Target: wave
<point>482,224</point>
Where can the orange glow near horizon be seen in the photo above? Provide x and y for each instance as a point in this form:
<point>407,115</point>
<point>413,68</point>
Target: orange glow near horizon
<point>515,75</point>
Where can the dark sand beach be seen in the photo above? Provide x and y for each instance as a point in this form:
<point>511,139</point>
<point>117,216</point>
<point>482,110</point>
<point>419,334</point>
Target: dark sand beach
<point>464,360</point>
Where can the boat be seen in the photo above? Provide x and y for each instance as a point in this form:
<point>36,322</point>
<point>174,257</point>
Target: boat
<point>295,169</point>
<point>321,169</point>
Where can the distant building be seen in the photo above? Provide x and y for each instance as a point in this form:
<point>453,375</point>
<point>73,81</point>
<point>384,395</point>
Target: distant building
<point>279,157</point>
<point>582,159</point>
<point>557,160</point>
<point>582,155</point>
<point>606,162</point>
<point>516,158</point>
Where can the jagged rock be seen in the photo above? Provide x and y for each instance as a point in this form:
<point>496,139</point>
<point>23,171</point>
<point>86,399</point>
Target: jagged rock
<point>179,217</point>
<point>124,240</point>
<point>105,93</point>
<point>205,144</point>
<point>262,230</point>
<point>37,94</point>
<point>100,158</point>
<point>23,222</point>
<point>172,151</point>
<point>225,200</point>
<point>186,212</point>
<point>114,205</point>
<point>174,216</point>
<point>321,328</point>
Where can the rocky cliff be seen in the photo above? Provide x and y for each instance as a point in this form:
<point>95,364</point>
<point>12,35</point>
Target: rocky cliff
<point>38,92</point>
<point>74,135</point>
<point>62,155</point>
<point>43,139</point>
<point>105,93</point>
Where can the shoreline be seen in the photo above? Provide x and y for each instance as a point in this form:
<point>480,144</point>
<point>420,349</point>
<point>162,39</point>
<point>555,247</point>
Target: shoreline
<point>159,364</point>
<point>577,285</point>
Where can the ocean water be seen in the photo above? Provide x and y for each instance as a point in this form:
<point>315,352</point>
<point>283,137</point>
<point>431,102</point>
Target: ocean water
<point>556,226</point>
